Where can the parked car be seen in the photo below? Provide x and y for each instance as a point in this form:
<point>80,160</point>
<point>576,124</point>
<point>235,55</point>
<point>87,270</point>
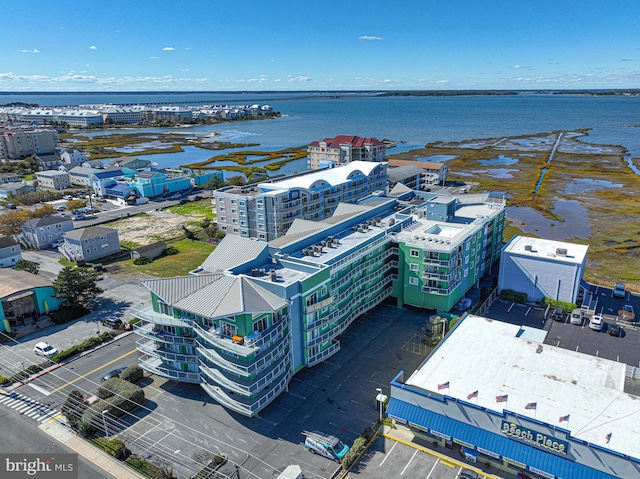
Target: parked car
<point>619,291</point>
<point>613,329</point>
<point>10,206</point>
<point>468,474</point>
<point>628,308</point>
<point>557,314</point>
<point>596,322</point>
<point>111,322</point>
<point>576,317</point>
<point>463,304</point>
<point>60,207</point>
<point>112,374</point>
<point>44,349</point>
<point>79,218</point>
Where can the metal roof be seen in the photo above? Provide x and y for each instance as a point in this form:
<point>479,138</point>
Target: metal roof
<point>403,172</point>
<point>232,251</point>
<point>172,290</point>
<point>495,443</point>
<point>90,232</point>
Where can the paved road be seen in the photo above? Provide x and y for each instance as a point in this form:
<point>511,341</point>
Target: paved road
<point>27,438</point>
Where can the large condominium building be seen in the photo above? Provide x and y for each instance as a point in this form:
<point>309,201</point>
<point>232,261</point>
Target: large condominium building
<point>343,149</point>
<point>256,313</point>
<point>265,211</point>
<point>19,143</point>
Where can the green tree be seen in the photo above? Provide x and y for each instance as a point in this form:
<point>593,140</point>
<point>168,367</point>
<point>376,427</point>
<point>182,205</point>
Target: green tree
<point>75,204</point>
<point>77,285</point>
<point>28,266</point>
<point>214,183</point>
<point>43,212</point>
<point>11,222</point>
<point>74,408</point>
<point>237,181</point>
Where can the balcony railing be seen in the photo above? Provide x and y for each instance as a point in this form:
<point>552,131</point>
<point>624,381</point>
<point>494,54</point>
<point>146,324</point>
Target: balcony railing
<point>324,354</point>
<point>149,347</point>
<point>248,407</point>
<point>157,366</point>
<point>222,341</point>
<point>147,313</point>
<point>149,330</point>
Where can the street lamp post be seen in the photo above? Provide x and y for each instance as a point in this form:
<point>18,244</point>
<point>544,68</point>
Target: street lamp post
<point>24,374</point>
<point>104,423</point>
<point>379,400</point>
<point>175,463</point>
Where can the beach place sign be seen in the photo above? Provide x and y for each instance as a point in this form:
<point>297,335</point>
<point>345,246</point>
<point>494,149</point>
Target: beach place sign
<point>534,437</point>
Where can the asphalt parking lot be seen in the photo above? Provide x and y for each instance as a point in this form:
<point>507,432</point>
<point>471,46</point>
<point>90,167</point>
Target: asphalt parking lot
<point>387,457</point>
<point>337,397</point>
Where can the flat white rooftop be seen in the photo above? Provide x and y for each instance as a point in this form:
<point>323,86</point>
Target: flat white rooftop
<point>544,248</point>
<point>488,356</point>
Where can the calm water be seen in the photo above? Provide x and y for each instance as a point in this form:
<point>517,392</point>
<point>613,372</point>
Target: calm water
<point>414,121</point>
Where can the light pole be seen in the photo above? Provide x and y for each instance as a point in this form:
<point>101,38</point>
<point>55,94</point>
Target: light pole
<point>24,374</point>
<point>104,423</point>
<point>175,463</point>
<point>380,400</point>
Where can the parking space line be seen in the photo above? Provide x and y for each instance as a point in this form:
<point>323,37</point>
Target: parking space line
<point>434,466</point>
<point>529,309</point>
<point>405,467</point>
<point>388,453</point>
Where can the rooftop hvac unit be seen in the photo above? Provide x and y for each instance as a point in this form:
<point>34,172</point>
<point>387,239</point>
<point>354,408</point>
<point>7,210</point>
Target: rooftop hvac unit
<point>274,276</point>
<point>305,252</point>
<point>392,221</point>
<point>561,251</point>
<point>355,228</point>
<point>527,247</point>
<point>330,239</point>
<point>255,272</point>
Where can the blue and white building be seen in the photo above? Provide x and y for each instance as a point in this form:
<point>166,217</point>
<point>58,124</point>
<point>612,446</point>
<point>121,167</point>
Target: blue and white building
<point>499,394</point>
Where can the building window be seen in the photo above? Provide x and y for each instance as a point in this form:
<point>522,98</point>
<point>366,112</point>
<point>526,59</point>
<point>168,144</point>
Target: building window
<point>260,216</point>
<point>413,267</point>
<point>415,253</point>
<point>261,236</point>
<point>223,218</point>
<point>260,325</point>
<point>413,281</point>
<point>222,209</point>
<point>228,329</point>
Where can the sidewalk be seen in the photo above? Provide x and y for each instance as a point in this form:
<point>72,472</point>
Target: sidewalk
<point>104,461</point>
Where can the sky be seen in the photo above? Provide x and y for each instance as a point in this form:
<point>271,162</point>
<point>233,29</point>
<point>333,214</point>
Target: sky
<point>260,45</point>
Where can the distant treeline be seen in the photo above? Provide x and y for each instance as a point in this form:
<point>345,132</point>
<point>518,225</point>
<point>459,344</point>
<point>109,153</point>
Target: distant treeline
<point>629,92</point>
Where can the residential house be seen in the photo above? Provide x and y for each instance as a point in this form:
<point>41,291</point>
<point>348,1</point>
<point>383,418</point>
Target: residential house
<point>97,164</point>
<point>256,313</point>
<point>10,252</point>
<point>7,190</point>
<point>343,149</point>
<point>48,162</point>
<point>408,175</point>
<point>90,244</point>
<point>40,233</point>
<point>152,183</point>
<point>26,299</point>
<point>72,157</point>
<point>108,178</point>
<point>131,163</point>
<point>81,176</point>
<point>53,179</point>
<point>266,210</point>
<point>9,178</point>
<point>542,268</point>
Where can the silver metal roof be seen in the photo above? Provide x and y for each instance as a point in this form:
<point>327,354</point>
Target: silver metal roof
<point>232,251</point>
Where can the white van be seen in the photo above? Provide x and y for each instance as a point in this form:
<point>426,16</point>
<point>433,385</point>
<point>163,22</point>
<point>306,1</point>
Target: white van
<point>325,445</point>
<point>576,317</point>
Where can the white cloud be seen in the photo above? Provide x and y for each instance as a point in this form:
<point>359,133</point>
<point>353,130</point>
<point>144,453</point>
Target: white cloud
<point>442,82</point>
<point>168,49</point>
<point>35,50</point>
<point>154,58</point>
<point>299,78</point>
<point>515,67</point>
<point>71,78</point>
<point>370,38</point>
<point>93,47</point>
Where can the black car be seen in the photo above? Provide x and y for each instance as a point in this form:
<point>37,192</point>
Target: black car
<point>557,314</point>
<point>613,329</point>
<point>112,374</point>
<point>111,322</point>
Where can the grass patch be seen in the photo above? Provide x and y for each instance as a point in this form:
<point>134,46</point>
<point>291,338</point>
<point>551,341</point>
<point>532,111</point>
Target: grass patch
<point>190,255</point>
<point>201,208</point>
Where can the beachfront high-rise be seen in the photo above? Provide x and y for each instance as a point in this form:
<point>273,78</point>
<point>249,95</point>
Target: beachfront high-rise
<point>343,149</point>
<point>257,312</point>
<point>266,210</point>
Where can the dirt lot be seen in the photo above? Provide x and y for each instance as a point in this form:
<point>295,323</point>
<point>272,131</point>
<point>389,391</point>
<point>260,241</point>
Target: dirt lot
<point>153,226</point>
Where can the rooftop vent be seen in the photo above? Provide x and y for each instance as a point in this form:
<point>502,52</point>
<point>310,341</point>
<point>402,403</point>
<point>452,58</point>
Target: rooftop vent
<point>561,251</point>
<point>274,275</point>
<point>527,247</point>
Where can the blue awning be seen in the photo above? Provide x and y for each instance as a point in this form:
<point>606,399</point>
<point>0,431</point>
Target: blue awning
<point>495,443</point>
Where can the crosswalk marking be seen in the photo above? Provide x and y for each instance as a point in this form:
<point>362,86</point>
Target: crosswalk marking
<point>28,407</point>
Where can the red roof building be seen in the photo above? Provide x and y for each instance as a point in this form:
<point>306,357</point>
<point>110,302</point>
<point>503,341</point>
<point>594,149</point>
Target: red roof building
<point>343,149</point>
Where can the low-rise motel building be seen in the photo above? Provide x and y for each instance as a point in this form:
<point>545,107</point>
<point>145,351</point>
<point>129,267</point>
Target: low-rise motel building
<point>498,394</point>
<point>257,312</point>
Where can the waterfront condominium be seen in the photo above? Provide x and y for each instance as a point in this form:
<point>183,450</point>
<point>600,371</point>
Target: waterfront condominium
<point>343,149</point>
<point>266,210</point>
<point>257,312</point>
